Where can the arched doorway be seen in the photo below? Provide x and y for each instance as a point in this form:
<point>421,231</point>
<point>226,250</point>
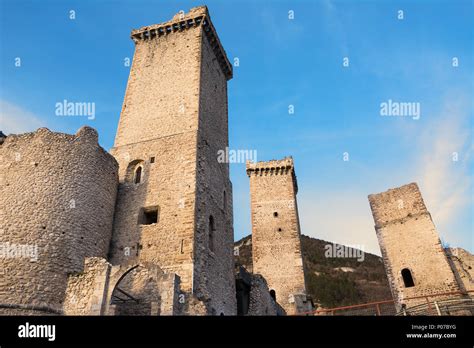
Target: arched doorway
<point>407,278</point>
<point>135,292</point>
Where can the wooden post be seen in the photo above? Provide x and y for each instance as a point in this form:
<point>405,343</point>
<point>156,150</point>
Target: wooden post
<point>429,305</point>
<point>378,309</point>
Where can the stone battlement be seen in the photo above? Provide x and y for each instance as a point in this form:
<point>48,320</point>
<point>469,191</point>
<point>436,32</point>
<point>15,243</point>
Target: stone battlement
<point>273,167</point>
<point>285,163</point>
<point>197,16</point>
<point>397,204</point>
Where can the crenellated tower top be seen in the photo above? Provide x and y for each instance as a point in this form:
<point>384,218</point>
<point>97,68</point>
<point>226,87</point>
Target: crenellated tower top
<point>273,167</point>
<point>197,16</point>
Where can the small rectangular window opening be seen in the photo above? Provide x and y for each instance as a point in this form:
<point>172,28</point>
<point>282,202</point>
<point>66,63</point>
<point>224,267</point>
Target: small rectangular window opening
<point>149,215</point>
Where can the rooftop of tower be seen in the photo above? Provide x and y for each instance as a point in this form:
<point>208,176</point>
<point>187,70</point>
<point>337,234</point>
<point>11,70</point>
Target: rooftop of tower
<point>197,16</point>
<point>284,165</point>
<point>397,204</point>
<point>395,194</point>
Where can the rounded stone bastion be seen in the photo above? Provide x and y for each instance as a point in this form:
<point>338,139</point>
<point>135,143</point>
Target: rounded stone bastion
<point>57,204</point>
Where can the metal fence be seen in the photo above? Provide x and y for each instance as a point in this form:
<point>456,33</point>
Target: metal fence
<point>452,306</point>
<point>448,303</point>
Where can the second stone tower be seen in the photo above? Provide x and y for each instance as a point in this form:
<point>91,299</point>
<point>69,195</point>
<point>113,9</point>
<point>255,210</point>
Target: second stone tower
<point>276,238</point>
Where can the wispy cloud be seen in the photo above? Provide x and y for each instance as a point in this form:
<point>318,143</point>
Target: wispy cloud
<point>443,168</point>
<point>338,216</point>
<point>344,216</point>
<point>14,119</point>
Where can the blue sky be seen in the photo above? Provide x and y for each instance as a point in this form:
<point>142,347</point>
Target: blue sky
<point>282,62</point>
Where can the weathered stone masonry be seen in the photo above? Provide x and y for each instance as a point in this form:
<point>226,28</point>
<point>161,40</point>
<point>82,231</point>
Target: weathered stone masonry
<point>414,259</point>
<point>462,263</point>
<point>276,244</point>
<point>173,122</point>
<point>58,194</point>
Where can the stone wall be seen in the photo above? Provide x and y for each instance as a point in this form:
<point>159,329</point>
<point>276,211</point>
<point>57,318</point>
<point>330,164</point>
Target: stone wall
<point>276,244</point>
<point>408,240</point>
<point>58,195</point>
<point>462,263</point>
<point>142,289</point>
<point>214,267</point>
<point>193,306</point>
<point>162,93</point>
<point>86,291</point>
<point>261,302</point>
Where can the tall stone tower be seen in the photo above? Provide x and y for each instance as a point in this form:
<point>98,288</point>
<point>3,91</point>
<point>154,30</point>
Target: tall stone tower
<point>174,204</point>
<point>276,239</point>
<point>414,259</point>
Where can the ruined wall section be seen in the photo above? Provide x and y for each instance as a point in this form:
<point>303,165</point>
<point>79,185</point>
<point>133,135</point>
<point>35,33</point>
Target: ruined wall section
<point>214,258</point>
<point>462,264</point>
<point>408,240</point>
<point>142,289</point>
<point>261,303</point>
<point>86,290</point>
<point>58,194</point>
<point>276,244</point>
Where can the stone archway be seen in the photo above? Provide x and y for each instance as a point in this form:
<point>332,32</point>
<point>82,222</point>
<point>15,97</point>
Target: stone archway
<point>135,291</point>
<point>132,289</point>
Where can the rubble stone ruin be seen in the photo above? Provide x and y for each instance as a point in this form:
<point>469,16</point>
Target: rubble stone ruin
<point>418,266</point>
